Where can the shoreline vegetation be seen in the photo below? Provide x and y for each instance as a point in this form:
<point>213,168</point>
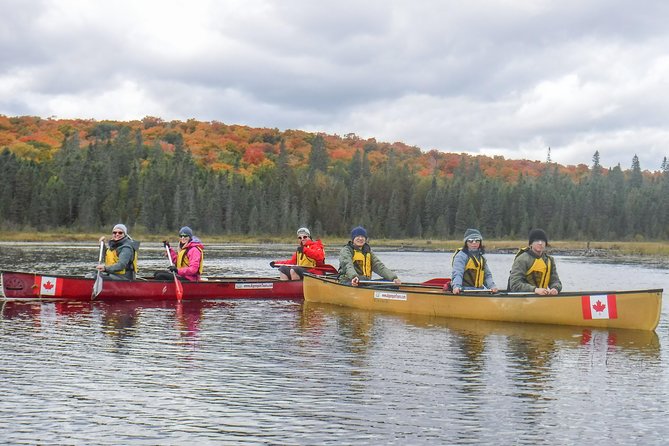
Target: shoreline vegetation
<point>655,252</point>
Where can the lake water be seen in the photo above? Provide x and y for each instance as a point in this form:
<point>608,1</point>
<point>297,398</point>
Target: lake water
<point>284,372</point>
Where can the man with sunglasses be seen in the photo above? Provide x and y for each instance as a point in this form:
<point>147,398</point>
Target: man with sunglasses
<point>309,253</point>
<point>120,255</point>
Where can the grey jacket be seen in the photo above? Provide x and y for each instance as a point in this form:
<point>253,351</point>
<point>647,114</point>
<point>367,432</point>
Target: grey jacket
<point>459,263</point>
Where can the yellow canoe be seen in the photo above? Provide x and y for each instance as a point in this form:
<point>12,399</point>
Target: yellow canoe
<point>637,309</point>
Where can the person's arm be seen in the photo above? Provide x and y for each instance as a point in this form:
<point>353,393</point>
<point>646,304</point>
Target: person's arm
<point>488,280</point>
<point>346,268</point>
<point>555,283</point>
<point>315,251</point>
<point>382,270</point>
<point>517,280</point>
<point>458,272</point>
<point>291,261</point>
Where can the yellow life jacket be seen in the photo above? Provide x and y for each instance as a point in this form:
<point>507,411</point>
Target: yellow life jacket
<point>474,273</point>
<point>111,257</point>
<point>182,258</point>
<point>539,273</point>
<point>363,262</point>
<point>303,260</point>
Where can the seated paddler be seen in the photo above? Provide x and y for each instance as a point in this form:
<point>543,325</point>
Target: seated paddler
<point>470,267</point>
<point>533,270</point>
<point>188,261</point>
<point>119,254</point>
<point>308,255</point>
<point>357,261</point>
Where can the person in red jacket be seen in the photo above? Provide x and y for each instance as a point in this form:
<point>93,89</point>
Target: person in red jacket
<point>309,253</point>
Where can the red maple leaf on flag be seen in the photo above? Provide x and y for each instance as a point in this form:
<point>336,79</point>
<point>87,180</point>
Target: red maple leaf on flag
<point>599,306</point>
<point>48,285</point>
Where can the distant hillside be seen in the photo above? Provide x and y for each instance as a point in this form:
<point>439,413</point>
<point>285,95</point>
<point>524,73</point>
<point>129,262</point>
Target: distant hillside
<point>244,150</point>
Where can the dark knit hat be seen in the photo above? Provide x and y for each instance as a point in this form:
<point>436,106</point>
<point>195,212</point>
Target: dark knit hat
<point>472,234</point>
<point>186,230</point>
<point>538,234</point>
<point>358,230</point>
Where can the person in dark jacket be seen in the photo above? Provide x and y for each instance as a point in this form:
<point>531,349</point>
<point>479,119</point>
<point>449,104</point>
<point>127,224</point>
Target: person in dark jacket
<point>358,262</point>
<point>120,255</point>
<point>533,270</point>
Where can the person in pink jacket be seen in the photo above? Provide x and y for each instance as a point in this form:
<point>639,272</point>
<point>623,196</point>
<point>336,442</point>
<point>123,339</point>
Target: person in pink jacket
<point>188,261</point>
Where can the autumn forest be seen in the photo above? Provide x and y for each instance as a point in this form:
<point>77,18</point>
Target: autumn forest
<point>86,175</point>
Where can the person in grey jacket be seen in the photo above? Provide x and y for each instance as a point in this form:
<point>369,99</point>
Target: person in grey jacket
<point>120,255</point>
<point>533,270</point>
<point>470,268</point>
<point>358,262</point>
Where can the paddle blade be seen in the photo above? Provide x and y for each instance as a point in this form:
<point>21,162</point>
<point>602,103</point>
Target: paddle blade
<point>439,281</point>
<point>97,286</point>
<point>180,289</point>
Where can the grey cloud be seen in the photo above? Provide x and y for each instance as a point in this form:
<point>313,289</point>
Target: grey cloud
<point>480,76</point>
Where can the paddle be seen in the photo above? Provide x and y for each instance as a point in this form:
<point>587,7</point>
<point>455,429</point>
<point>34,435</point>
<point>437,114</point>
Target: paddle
<point>97,286</point>
<point>432,283</point>
<point>177,283</point>
<point>327,269</point>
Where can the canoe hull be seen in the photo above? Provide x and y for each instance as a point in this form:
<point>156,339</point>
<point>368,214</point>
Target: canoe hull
<point>628,309</point>
<point>29,286</point>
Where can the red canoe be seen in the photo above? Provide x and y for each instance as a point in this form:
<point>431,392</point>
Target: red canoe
<point>30,286</point>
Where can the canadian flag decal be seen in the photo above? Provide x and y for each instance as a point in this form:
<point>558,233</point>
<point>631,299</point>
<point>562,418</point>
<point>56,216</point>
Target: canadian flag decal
<point>50,286</point>
<point>600,306</point>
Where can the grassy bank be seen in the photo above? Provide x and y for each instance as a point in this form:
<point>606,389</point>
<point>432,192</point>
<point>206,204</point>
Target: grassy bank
<point>656,249</point>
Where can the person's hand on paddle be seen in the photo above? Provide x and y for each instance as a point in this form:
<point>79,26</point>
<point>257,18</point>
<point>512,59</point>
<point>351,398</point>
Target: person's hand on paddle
<point>102,239</point>
<point>173,269</point>
<point>166,244</point>
<point>397,281</point>
<point>355,281</point>
<point>272,263</point>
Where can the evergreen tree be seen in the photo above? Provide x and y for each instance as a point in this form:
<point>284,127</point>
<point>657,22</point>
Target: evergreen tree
<point>636,178</point>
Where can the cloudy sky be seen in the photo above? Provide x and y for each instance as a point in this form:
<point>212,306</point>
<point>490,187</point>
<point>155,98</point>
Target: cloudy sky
<point>504,77</point>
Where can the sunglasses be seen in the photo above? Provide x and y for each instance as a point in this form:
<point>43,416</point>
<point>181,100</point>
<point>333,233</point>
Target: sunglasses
<point>117,232</point>
<point>302,237</point>
<point>184,235</point>
<point>474,240</point>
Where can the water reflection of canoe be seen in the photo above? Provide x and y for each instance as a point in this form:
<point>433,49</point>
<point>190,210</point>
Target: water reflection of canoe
<point>639,309</point>
<point>474,331</point>
<point>20,285</point>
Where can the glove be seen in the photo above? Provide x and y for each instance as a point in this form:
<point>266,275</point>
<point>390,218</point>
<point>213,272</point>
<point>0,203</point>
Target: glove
<point>272,263</point>
<point>172,268</point>
<point>166,244</point>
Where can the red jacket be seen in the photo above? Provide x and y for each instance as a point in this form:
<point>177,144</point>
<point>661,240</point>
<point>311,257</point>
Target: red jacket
<point>312,249</point>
